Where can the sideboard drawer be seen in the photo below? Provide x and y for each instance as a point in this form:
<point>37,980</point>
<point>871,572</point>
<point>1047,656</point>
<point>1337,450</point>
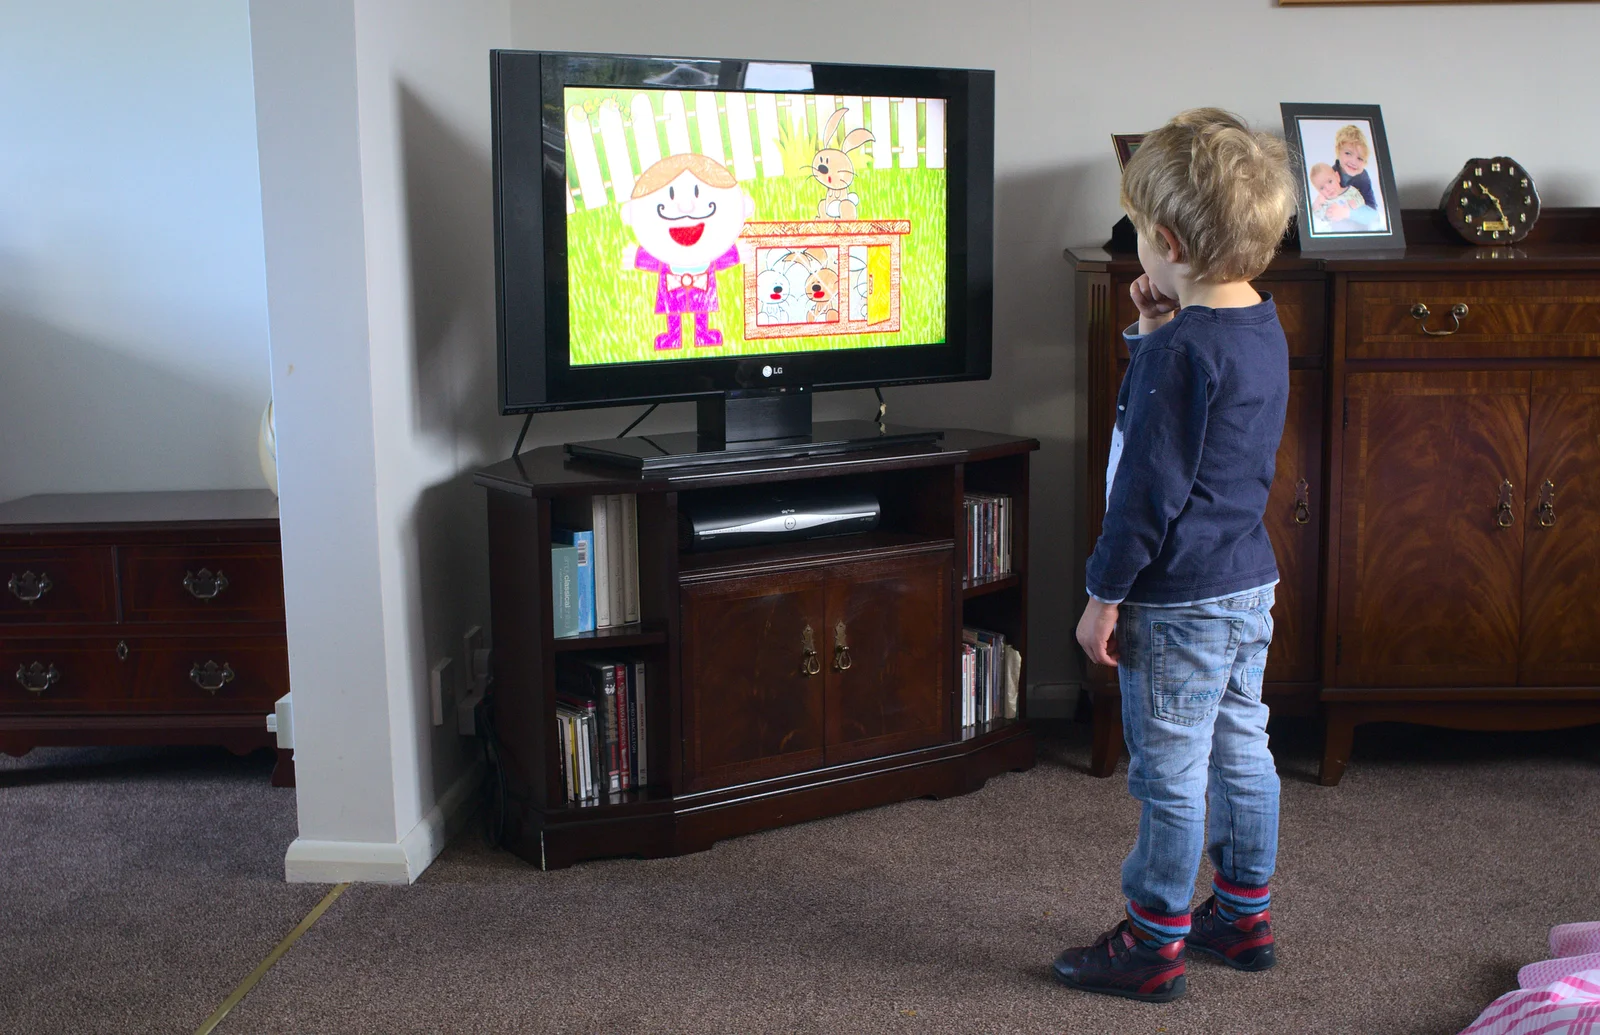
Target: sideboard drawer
<point>1510,318</point>
<point>1302,310</point>
<point>207,673</point>
<point>229,582</point>
<point>53,675</point>
<point>57,584</point>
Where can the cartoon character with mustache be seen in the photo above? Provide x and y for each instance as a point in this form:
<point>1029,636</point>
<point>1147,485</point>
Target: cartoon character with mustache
<point>687,212</point>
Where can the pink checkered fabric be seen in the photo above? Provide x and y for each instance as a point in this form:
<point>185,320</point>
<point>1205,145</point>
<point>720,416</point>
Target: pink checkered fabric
<point>1570,1006</point>
<point>1575,939</point>
<point>1545,972</point>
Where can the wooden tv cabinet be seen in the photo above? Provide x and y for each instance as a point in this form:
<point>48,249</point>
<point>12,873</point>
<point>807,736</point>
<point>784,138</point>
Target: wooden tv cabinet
<point>1436,507</point>
<point>749,740</point>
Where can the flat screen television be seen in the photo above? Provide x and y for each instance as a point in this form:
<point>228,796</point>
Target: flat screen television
<point>742,233</point>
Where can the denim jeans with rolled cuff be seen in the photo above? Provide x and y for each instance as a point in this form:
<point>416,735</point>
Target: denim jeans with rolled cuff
<point>1197,742</point>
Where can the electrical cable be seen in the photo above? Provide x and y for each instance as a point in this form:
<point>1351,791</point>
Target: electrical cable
<point>642,416</point>
<point>883,407</point>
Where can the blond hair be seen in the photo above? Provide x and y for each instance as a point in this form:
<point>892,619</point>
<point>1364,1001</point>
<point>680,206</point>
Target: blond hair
<point>1320,167</point>
<point>1350,134</point>
<point>708,171</point>
<point>1225,193</point>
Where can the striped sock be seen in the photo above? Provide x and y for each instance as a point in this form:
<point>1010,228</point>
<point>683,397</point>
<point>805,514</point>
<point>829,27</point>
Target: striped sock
<point>1235,901</point>
<point>1156,929</point>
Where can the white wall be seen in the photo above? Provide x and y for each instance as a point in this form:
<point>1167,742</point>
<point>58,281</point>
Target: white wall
<point>133,338</point>
<point>1070,74</point>
<point>374,138</point>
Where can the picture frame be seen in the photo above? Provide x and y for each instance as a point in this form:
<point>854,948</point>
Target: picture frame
<point>1348,198</point>
<point>1126,144</point>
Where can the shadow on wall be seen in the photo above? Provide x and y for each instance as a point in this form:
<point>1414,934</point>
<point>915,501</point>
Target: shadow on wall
<point>63,395</point>
<point>448,187</point>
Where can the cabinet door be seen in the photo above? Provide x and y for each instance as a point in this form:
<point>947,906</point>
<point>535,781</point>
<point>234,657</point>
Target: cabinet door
<point>1430,566</point>
<point>891,692</point>
<point>1561,567</point>
<point>752,707</point>
<point>1294,523</point>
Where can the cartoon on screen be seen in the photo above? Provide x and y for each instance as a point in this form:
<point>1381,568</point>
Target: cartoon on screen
<point>730,224</point>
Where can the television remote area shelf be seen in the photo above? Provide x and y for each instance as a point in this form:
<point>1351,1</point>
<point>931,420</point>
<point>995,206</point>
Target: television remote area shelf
<point>785,682</point>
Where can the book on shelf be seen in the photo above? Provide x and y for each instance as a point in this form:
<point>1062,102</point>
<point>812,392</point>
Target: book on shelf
<point>990,672</point>
<point>577,728</point>
<point>564,609</point>
<point>605,530</point>
<point>611,694</point>
<point>582,542</point>
<point>989,531</point>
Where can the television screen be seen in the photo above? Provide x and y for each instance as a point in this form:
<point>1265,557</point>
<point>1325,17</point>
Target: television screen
<point>727,223</point>
<point>673,228</point>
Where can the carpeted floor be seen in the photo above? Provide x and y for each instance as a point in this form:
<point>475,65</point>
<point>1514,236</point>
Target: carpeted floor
<point>1405,900</point>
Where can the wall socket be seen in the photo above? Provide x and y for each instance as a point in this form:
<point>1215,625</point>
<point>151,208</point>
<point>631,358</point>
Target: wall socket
<point>441,689</point>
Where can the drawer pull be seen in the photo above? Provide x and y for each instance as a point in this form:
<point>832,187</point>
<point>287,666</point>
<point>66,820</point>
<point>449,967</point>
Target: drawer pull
<point>810,664</point>
<point>1504,515</point>
<point>203,585</point>
<point>37,678</point>
<point>841,651</point>
<point>1458,312</point>
<point>211,677</point>
<point>122,650</point>
<point>29,587</point>
<point>1302,503</point>
<point>1547,504</point>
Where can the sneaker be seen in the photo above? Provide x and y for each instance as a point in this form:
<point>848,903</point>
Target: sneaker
<point>1243,944</point>
<point>1119,964</point>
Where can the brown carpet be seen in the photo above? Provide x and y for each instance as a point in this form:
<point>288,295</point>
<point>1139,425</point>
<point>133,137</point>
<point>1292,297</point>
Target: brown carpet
<point>1405,900</point>
<point>138,885</point>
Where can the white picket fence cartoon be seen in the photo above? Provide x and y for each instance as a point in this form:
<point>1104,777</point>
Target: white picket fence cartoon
<point>718,125</point>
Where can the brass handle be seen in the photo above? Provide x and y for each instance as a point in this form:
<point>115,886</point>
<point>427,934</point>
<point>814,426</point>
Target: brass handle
<point>1504,516</point>
<point>37,678</point>
<point>841,650</point>
<point>810,664</point>
<point>122,650</point>
<point>1458,312</point>
<point>211,677</point>
<point>203,585</point>
<point>29,587</point>
<point>1547,504</point>
<point>1302,503</point>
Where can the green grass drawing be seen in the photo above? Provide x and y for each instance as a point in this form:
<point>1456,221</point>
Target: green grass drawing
<point>611,310</point>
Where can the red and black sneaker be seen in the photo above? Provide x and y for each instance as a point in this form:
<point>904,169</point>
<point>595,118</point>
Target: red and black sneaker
<point>1243,944</point>
<point>1119,964</point>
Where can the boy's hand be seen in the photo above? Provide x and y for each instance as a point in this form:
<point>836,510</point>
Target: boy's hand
<point>1337,211</point>
<point>1155,309</point>
<point>1097,633</point>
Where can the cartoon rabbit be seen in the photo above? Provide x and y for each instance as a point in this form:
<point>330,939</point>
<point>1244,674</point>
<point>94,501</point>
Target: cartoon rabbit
<point>780,290</point>
<point>833,169</point>
<point>822,288</point>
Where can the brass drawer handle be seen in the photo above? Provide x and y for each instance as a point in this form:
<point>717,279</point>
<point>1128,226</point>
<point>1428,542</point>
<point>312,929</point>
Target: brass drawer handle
<point>1547,504</point>
<point>1458,312</point>
<point>29,587</point>
<point>203,585</point>
<point>1302,503</point>
<point>1504,516</point>
<point>810,664</point>
<point>210,677</point>
<point>841,651</point>
<point>37,678</point>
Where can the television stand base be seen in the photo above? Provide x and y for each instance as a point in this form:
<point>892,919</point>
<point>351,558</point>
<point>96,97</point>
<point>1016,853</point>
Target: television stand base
<point>689,449</point>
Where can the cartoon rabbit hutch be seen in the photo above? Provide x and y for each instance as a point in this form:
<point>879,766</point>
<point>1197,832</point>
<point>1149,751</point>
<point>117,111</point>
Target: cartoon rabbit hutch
<point>823,276</point>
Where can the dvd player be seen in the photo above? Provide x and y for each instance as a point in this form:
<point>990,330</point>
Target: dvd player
<point>713,520</point>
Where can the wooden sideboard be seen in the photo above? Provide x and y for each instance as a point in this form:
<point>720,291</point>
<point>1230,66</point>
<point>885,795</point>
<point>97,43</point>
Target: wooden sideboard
<point>752,735</point>
<point>140,618</point>
<point>1436,510</point>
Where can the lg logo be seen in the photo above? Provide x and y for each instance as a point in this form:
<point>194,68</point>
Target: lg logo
<point>769,371</point>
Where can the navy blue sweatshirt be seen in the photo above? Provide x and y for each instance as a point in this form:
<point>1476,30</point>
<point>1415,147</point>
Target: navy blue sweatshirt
<point>1199,417</point>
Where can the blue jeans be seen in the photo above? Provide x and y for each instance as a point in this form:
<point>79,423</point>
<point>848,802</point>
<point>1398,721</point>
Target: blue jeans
<point>1197,742</point>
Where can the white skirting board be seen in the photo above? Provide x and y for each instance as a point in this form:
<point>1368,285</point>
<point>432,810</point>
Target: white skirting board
<point>1053,700</point>
<point>332,862</point>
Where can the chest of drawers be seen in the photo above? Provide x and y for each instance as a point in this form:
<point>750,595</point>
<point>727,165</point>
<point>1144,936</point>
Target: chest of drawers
<point>140,618</point>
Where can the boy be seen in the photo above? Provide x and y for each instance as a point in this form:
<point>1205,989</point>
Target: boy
<point>1350,155</point>
<point>1181,580</point>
